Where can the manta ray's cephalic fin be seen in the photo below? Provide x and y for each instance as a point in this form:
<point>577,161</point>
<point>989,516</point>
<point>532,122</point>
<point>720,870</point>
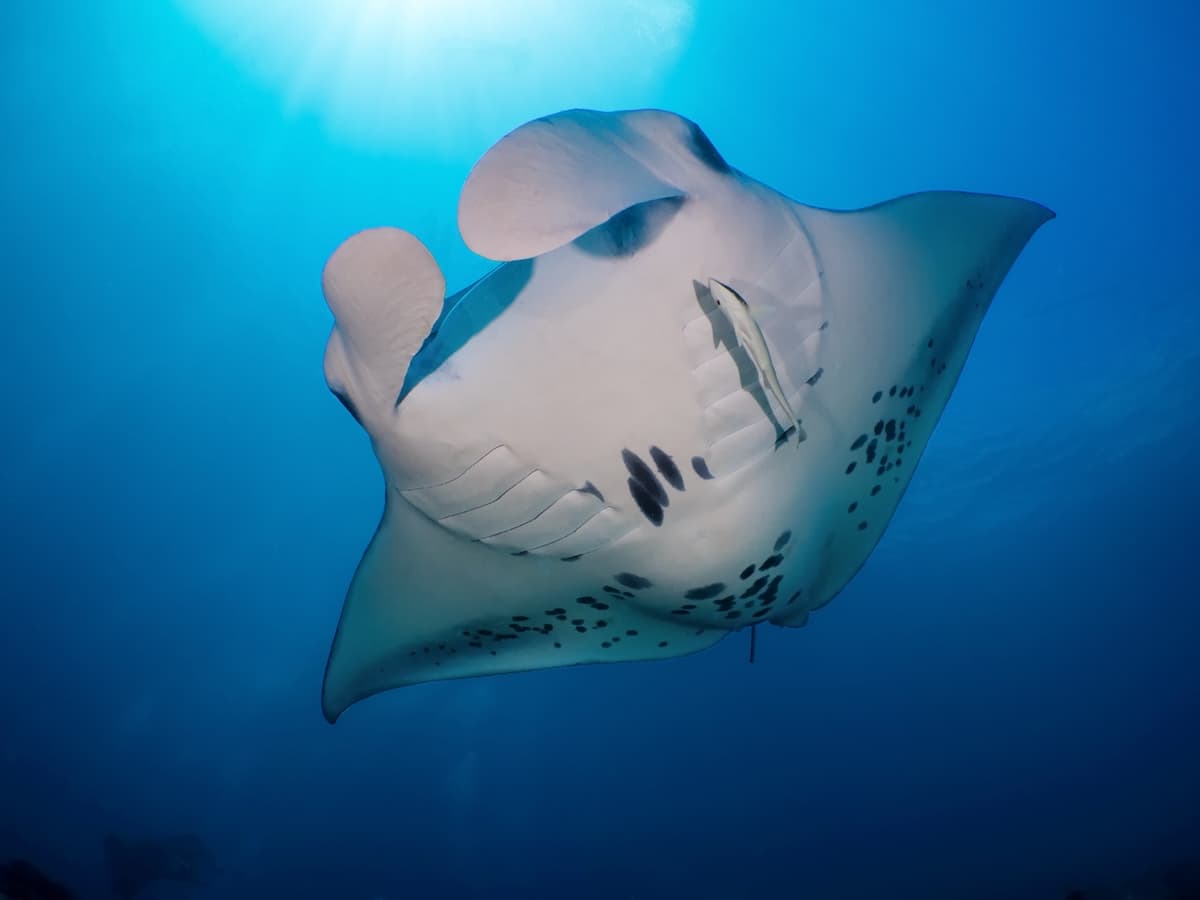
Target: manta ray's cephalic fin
<point>550,180</point>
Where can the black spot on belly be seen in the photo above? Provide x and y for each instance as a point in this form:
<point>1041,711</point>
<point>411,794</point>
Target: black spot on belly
<point>850,468</point>
<point>701,468</point>
<point>645,477</point>
<point>705,592</point>
<point>858,442</point>
<point>771,562</point>
<point>874,490</point>
<point>667,467</point>
<point>890,428</point>
<point>662,643</point>
<point>650,509</point>
<point>771,594</point>
<point>862,526</point>
<point>852,507</point>
<point>781,541</point>
<point>637,582</point>
<point>878,394</point>
<point>747,572</point>
<point>758,585</point>
<point>815,377</point>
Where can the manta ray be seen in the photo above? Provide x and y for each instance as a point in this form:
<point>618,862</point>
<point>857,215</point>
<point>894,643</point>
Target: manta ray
<point>681,404</point>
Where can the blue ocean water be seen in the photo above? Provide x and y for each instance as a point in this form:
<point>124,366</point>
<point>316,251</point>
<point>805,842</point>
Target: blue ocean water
<point>1004,703</point>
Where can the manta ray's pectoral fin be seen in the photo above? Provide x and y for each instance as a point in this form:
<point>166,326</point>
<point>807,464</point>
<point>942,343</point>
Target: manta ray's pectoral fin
<point>551,180</point>
<point>426,604</point>
<point>751,338</point>
<point>385,291</point>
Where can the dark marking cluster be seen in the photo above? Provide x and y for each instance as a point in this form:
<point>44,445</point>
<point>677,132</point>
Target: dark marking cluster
<point>592,618</point>
<point>752,602</point>
<point>582,615</point>
<point>880,448</point>
<point>644,486</point>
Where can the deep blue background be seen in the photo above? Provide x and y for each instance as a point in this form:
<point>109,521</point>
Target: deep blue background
<point>1004,702</point>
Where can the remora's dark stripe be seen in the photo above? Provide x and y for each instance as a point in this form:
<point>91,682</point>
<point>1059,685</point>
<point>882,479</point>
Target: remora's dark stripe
<point>645,477</point>
<point>667,467</point>
<point>650,509</point>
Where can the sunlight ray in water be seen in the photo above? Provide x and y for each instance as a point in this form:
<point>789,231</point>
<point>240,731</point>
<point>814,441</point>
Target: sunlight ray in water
<point>419,74</point>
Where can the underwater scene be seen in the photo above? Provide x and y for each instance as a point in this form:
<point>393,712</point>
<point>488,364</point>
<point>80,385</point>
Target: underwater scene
<point>633,449</point>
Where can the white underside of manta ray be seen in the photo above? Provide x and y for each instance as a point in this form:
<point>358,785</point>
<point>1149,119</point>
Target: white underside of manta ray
<point>587,458</point>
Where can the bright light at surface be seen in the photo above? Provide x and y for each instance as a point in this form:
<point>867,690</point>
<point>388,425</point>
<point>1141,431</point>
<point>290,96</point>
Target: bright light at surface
<point>429,73</point>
